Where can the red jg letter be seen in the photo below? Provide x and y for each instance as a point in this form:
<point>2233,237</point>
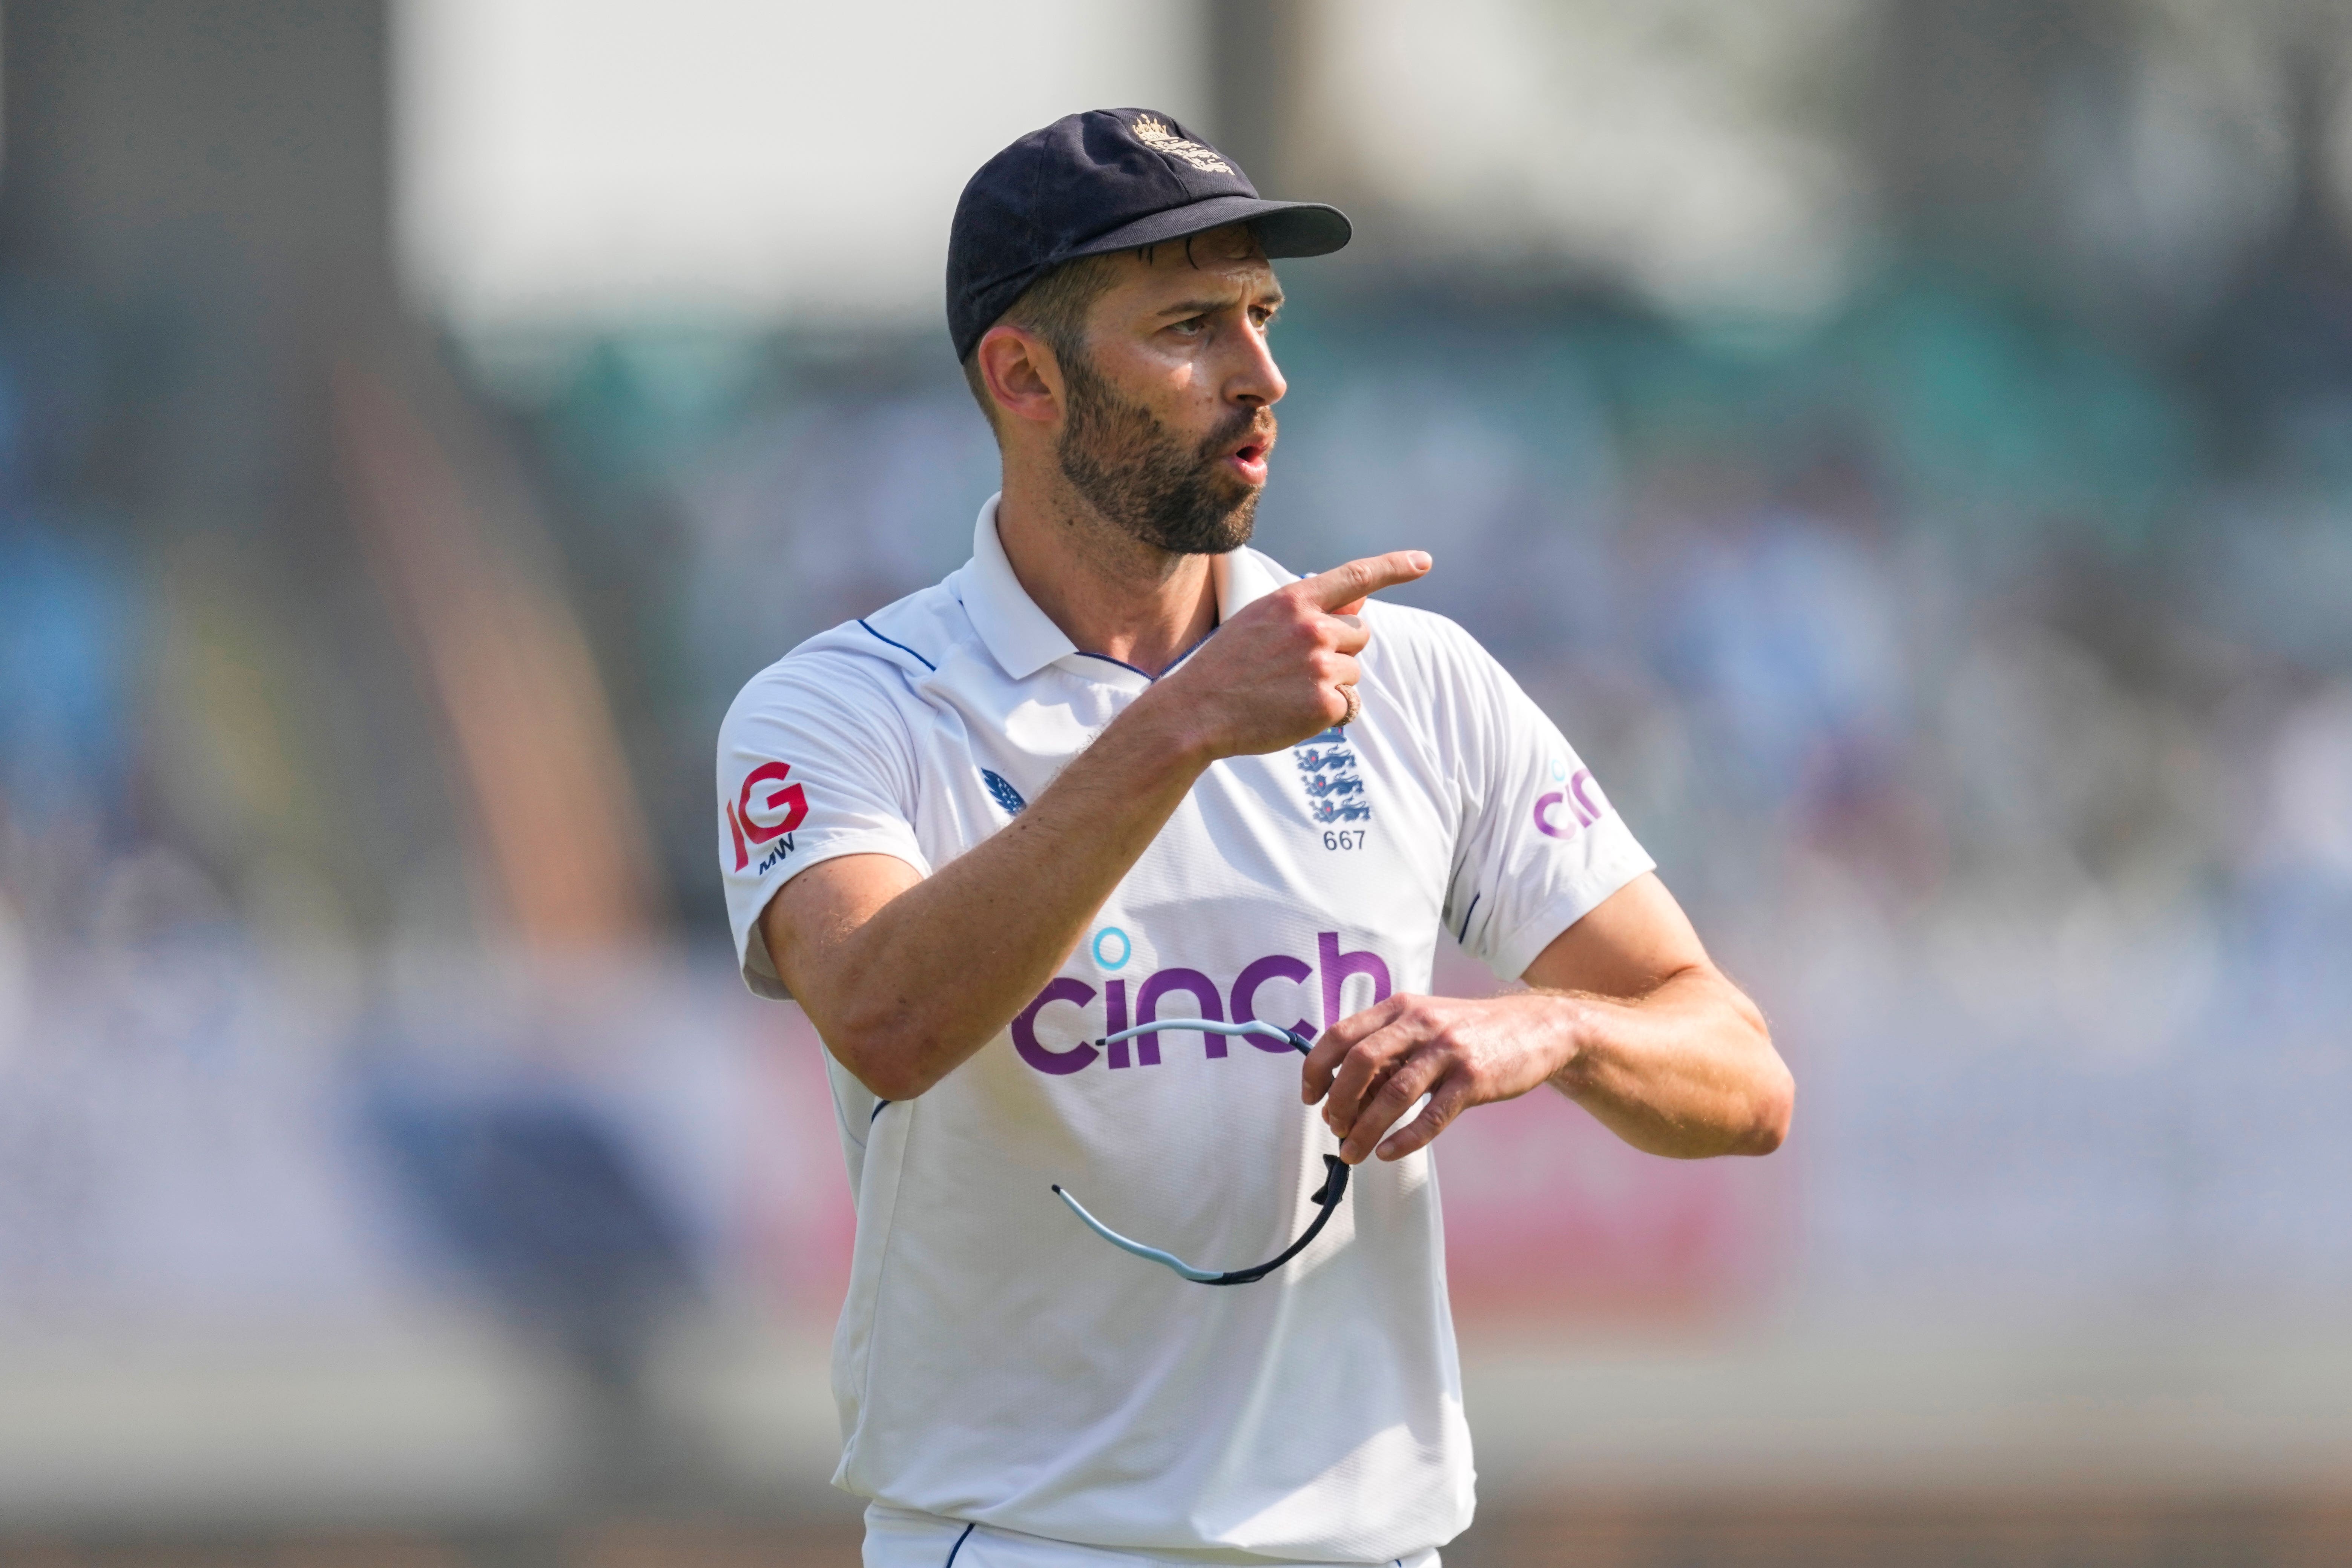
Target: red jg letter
<point>793,804</point>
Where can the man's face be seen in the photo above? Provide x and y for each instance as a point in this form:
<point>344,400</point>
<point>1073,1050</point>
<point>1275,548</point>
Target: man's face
<point>1169,413</point>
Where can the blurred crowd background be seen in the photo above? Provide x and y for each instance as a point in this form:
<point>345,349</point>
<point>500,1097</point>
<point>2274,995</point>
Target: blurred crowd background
<point>1906,444</point>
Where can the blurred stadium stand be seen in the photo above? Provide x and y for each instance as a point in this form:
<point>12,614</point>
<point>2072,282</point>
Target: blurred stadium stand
<point>1906,443</point>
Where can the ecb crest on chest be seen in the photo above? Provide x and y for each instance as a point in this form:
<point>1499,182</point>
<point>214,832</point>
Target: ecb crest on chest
<point>1333,784</point>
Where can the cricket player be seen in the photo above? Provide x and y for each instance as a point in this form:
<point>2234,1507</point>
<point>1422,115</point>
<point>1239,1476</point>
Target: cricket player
<point>1112,871</point>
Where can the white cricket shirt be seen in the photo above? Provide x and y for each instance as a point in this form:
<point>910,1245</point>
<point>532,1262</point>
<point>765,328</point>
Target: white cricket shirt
<point>996,1362</point>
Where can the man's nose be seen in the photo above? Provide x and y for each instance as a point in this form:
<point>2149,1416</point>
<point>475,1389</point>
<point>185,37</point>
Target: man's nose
<point>1256,380</point>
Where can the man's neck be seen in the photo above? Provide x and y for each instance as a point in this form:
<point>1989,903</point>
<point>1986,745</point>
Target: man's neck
<point>1109,592</point>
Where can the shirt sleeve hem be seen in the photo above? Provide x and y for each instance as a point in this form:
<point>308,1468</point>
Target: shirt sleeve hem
<point>1512,956</point>
<point>759,971</point>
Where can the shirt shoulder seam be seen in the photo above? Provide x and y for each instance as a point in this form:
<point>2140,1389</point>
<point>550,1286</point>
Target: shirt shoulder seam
<point>902,647</point>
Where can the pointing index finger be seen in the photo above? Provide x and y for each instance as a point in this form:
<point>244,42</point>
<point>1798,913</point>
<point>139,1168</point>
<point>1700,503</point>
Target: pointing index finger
<point>1342,590</point>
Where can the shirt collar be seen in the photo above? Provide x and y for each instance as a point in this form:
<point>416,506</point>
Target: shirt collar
<point>1243,577</point>
<point>1022,637</point>
<point>1023,640</point>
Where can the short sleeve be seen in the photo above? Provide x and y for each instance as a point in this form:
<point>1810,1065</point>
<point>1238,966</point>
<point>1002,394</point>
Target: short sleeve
<point>1540,846</point>
<point>814,762</point>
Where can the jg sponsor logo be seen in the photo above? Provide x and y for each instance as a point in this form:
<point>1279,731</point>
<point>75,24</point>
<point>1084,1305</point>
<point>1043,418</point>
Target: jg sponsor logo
<point>1067,1010</point>
<point>748,831</point>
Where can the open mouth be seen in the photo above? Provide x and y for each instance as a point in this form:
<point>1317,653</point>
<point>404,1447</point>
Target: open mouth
<point>1250,458</point>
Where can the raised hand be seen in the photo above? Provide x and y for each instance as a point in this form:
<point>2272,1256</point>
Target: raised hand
<point>1278,672</point>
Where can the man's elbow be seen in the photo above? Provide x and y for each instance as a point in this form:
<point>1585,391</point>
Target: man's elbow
<point>885,1062</point>
<point>1771,1088</point>
<point>883,1048</point>
<point>1771,1103</point>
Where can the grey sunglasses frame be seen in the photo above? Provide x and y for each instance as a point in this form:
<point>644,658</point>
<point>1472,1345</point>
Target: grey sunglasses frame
<point>1327,1198</point>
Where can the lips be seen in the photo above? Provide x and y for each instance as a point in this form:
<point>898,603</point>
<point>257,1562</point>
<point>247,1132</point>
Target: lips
<point>1247,456</point>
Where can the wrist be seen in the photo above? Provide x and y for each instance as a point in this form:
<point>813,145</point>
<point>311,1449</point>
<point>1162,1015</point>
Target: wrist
<point>1169,733</point>
<point>1572,1018</point>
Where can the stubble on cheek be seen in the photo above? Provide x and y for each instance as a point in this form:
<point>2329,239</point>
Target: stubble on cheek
<point>1140,476</point>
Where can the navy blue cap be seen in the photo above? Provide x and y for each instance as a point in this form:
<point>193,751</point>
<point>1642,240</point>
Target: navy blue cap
<point>1108,179</point>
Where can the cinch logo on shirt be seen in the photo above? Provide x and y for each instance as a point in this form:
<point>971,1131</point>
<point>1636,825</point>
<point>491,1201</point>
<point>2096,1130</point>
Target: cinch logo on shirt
<point>1209,1001</point>
<point>1587,814</point>
<point>788,799</point>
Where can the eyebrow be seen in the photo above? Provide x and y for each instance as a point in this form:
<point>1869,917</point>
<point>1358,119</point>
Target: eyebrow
<point>1202,306</point>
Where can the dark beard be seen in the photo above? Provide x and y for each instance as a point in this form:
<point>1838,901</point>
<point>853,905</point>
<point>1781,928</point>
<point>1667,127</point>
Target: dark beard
<point>1132,468</point>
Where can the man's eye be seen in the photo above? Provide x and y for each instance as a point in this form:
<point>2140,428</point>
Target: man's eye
<point>1191,326</point>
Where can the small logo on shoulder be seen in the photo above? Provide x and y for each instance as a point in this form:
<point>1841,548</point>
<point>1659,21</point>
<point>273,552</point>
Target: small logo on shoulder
<point>1578,802</point>
<point>1001,789</point>
<point>789,799</point>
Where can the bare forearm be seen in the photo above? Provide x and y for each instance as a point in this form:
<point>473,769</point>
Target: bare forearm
<point>998,920</point>
<point>1687,1070</point>
<point>1625,1014</point>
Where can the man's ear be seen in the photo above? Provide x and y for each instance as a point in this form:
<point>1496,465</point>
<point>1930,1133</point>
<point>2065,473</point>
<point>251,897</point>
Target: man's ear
<point>1020,371</point>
